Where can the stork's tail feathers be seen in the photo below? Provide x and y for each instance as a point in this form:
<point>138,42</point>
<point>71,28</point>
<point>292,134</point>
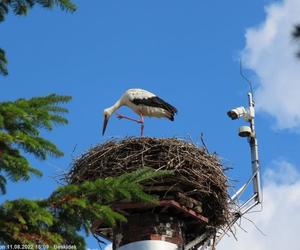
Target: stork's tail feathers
<point>171,117</point>
<point>168,107</point>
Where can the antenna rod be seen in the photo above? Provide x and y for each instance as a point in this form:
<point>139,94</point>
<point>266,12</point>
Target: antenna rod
<point>247,80</point>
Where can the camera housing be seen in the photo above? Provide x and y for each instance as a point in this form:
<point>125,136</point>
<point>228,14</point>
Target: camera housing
<point>236,113</point>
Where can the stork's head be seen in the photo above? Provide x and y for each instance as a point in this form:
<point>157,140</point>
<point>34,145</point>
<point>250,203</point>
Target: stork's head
<point>107,115</point>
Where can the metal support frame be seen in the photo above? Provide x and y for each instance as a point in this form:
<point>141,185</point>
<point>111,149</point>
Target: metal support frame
<point>196,241</point>
<point>255,178</point>
<point>257,197</point>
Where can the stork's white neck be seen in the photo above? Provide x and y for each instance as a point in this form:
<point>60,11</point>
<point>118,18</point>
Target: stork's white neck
<point>114,107</point>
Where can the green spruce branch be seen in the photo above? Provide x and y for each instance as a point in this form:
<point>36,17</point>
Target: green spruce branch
<point>21,122</point>
<point>296,35</point>
<point>3,63</point>
<point>72,208</point>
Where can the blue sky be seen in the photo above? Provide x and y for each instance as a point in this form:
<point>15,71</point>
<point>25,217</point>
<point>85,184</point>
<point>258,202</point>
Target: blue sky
<point>186,52</point>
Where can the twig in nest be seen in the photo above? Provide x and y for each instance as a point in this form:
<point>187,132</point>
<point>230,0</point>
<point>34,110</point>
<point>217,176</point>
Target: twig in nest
<point>257,228</point>
<point>240,226</point>
<point>203,143</point>
<point>99,241</point>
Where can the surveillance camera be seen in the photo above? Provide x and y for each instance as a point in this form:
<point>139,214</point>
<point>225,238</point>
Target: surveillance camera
<point>237,113</point>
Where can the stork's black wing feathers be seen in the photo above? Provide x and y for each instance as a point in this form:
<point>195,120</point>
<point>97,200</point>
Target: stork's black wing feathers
<point>157,102</point>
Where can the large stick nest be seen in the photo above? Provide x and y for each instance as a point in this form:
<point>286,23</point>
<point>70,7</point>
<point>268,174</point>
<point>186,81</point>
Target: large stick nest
<point>197,173</point>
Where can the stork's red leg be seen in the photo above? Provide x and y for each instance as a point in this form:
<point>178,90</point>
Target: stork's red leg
<point>141,121</point>
<point>142,125</point>
<point>129,118</point>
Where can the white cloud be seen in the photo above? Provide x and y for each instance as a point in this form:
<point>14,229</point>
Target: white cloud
<point>280,218</point>
<point>108,247</point>
<point>270,52</point>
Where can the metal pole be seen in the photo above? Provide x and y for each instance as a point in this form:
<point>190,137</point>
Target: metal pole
<point>254,152</point>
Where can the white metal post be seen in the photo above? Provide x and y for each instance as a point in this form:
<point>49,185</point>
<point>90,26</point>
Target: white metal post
<point>254,152</point>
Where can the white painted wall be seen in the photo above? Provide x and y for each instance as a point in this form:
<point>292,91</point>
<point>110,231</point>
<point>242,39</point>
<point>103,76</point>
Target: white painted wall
<point>149,245</point>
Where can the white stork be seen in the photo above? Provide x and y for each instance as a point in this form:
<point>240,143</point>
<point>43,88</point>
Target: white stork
<point>142,102</point>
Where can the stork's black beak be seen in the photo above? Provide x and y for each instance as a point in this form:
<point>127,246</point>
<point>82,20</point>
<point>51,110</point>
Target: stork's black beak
<point>105,124</point>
